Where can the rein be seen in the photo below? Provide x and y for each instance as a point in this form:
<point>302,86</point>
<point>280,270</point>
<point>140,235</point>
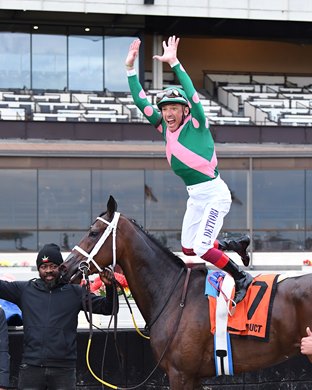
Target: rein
<point>148,326</point>
<point>87,306</point>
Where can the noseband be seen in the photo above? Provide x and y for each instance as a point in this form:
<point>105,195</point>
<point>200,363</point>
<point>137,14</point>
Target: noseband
<point>112,227</point>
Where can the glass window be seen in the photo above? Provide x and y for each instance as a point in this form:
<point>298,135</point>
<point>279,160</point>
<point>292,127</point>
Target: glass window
<point>66,240</point>
<point>115,52</point>
<point>18,240</point>
<point>165,200</point>
<point>170,239</point>
<point>236,219</point>
<point>308,196</point>
<point>278,241</point>
<point>85,63</point>
<point>127,187</point>
<point>165,204</point>
<point>43,206</point>
<point>49,66</point>
<point>278,210</point>
<point>308,240</point>
<point>18,199</point>
<point>15,60</point>
<point>64,199</point>
<point>18,209</point>
<point>278,200</point>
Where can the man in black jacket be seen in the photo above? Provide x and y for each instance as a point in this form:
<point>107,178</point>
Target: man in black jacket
<point>4,352</point>
<point>50,317</point>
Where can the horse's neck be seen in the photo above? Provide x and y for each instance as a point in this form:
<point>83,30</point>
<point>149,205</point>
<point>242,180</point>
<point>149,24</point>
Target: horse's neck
<point>150,274</point>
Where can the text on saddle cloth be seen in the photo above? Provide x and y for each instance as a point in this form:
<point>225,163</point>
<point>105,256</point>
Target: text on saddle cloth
<point>252,316</point>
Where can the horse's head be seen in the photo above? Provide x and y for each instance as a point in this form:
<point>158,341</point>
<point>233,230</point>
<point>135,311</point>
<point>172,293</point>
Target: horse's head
<point>96,250</point>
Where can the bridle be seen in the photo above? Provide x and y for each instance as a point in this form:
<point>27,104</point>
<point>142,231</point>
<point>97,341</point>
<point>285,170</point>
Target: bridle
<point>112,227</point>
<point>84,268</point>
<point>84,265</point>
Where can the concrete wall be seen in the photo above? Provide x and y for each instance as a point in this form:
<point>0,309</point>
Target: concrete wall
<point>294,10</point>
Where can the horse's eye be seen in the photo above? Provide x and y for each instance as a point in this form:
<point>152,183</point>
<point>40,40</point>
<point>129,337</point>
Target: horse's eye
<point>93,233</point>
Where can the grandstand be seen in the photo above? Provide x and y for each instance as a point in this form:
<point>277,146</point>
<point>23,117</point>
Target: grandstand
<point>237,103</point>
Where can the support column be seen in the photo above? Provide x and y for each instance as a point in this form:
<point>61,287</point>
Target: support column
<point>157,74</point>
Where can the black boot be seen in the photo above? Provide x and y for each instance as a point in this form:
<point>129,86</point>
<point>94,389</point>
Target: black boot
<point>242,280</point>
<point>239,246</point>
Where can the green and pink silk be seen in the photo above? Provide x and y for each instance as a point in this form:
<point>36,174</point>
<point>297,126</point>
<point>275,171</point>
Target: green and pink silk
<point>190,150</point>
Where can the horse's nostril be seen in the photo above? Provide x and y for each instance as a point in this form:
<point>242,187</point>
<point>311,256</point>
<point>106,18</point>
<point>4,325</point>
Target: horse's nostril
<point>62,269</point>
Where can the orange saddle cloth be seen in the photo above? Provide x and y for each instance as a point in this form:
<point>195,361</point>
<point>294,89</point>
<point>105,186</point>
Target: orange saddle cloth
<point>252,316</point>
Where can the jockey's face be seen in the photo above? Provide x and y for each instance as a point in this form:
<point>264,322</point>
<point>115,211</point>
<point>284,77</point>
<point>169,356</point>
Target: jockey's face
<point>174,115</point>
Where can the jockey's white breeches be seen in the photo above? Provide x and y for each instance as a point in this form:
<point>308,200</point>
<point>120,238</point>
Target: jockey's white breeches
<point>207,205</point>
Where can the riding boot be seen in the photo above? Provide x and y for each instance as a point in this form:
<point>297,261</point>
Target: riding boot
<point>242,280</point>
<point>239,246</point>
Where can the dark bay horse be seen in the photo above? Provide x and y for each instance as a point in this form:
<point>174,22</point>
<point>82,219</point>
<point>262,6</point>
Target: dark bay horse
<point>179,336</point>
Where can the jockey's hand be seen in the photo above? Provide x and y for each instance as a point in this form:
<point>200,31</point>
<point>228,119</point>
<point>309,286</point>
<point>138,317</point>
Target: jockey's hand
<point>132,54</point>
<point>170,51</point>
<point>107,277</point>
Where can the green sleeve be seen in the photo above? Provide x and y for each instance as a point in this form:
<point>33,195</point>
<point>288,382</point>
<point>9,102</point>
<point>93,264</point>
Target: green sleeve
<point>197,110</point>
<point>141,101</point>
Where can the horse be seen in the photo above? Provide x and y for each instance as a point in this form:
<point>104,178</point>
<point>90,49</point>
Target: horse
<point>172,302</point>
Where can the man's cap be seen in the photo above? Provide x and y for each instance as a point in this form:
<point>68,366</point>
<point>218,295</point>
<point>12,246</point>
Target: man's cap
<point>50,253</point>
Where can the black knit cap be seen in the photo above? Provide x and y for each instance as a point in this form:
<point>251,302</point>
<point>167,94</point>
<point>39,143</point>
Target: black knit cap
<point>50,253</point>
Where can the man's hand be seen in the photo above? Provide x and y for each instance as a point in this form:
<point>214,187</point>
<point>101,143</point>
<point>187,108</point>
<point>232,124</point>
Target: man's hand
<point>107,278</point>
<point>306,343</point>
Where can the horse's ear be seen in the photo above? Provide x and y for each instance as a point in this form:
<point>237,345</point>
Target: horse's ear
<point>111,205</point>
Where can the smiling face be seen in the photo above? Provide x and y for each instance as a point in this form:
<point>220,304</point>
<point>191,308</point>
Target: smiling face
<point>174,115</point>
<point>49,273</point>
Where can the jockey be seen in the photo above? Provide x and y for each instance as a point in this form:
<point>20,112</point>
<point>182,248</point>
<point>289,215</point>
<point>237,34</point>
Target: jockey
<point>190,151</point>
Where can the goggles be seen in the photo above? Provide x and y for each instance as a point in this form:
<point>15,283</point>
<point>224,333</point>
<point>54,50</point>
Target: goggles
<point>170,94</point>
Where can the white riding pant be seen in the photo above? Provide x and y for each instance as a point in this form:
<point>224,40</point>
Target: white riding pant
<point>206,207</point>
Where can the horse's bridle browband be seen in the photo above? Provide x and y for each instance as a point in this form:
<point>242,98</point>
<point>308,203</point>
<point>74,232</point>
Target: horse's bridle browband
<point>112,227</point>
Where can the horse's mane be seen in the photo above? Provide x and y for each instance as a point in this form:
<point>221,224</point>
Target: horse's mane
<point>164,249</point>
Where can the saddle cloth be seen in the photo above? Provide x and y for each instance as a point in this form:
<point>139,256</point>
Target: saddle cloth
<point>252,316</point>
